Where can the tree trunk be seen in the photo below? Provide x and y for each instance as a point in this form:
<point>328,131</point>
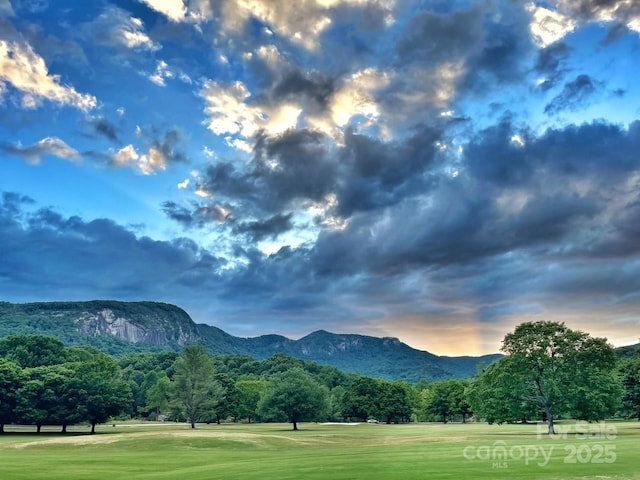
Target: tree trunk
<point>93,428</point>
<point>64,429</point>
<point>193,424</point>
<point>38,427</point>
<point>295,425</point>
<point>1,427</point>
<point>549,413</point>
<point>249,418</point>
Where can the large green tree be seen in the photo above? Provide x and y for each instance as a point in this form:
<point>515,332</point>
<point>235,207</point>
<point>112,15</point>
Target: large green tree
<point>363,398</point>
<point>30,351</point>
<point>295,396</point>
<point>561,371</point>
<point>396,401</point>
<point>446,399</point>
<point>100,390</point>
<point>248,397</point>
<point>11,378</point>
<point>501,394</point>
<point>630,377</point>
<point>195,390</point>
<point>47,398</point>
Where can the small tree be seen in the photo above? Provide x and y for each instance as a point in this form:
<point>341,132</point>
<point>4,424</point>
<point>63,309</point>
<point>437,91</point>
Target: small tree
<point>248,397</point>
<point>194,387</point>
<point>294,395</point>
<point>157,397</point>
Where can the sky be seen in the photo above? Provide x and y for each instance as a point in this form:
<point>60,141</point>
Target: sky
<point>437,171</point>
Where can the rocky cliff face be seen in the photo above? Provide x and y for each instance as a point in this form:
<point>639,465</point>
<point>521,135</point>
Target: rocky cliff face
<point>106,322</point>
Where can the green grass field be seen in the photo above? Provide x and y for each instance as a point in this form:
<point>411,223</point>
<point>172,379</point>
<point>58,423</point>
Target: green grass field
<point>317,451</point>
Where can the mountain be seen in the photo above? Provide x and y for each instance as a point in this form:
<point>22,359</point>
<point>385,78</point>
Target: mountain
<point>121,327</point>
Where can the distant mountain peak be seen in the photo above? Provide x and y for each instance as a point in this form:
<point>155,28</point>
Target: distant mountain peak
<point>119,326</point>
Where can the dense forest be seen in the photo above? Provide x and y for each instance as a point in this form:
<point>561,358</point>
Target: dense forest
<point>44,382</point>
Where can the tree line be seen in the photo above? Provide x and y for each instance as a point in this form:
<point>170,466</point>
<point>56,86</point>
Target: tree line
<point>548,372</point>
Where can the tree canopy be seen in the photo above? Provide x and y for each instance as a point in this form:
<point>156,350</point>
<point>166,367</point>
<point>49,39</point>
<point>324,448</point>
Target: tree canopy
<point>195,389</point>
<point>554,369</point>
<point>295,396</point>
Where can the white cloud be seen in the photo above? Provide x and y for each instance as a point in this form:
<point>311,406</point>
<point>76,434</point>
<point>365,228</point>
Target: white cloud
<point>151,162</point>
<point>174,10</point>
<point>162,72</point>
<point>116,27</point>
<point>146,164</point>
<point>208,152</point>
<point>548,26</point>
<point>355,97</point>
<point>302,21</point>
<point>227,109</point>
<point>230,114</point>
<point>184,184</point>
<point>125,156</point>
<point>47,146</point>
<point>624,11</point>
<point>201,191</point>
<point>27,72</point>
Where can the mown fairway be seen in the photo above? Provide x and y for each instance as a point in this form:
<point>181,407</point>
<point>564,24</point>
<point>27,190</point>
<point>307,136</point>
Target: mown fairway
<point>319,451</point>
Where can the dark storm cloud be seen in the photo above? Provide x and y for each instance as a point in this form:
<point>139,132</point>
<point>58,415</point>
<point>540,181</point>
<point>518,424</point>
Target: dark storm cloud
<point>380,174</point>
<point>12,205</point>
<point>199,215</point>
<point>293,166</point>
<point>313,87</point>
<point>504,50</point>
<point>464,224</point>
<point>492,155</point>
<point>575,95</point>
<point>101,126</point>
<point>467,219</point>
<point>179,213</point>
<point>551,64</point>
<point>591,9</point>
<point>270,228</point>
<point>299,166</point>
<point>68,257</point>
<point>304,168</point>
<point>598,149</point>
<point>228,181</point>
<point>171,146</point>
<point>434,38</point>
<point>620,14</point>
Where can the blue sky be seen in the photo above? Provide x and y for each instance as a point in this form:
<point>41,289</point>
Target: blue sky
<point>437,171</point>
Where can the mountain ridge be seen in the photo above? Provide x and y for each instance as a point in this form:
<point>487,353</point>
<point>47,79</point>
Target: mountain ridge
<point>119,327</point>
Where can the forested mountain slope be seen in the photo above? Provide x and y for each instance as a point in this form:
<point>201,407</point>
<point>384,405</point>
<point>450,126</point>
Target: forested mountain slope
<point>122,327</point>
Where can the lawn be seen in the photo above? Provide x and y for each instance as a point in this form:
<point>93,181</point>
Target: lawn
<point>318,451</point>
